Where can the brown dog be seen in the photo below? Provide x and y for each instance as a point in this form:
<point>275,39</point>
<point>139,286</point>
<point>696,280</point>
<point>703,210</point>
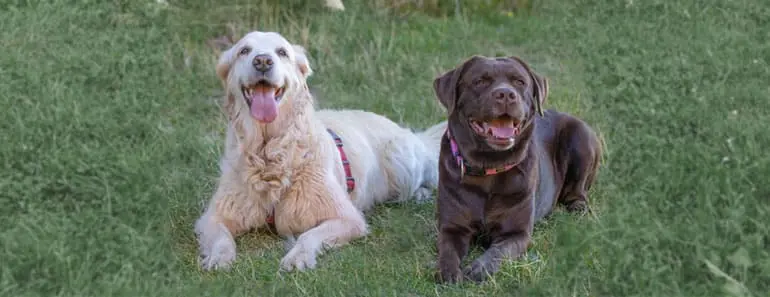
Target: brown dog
<point>504,163</point>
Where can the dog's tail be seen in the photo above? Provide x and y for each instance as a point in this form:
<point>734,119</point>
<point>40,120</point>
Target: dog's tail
<point>432,137</point>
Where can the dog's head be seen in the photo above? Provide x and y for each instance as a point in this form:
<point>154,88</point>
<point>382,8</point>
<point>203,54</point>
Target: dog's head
<point>495,98</point>
<point>259,70</point>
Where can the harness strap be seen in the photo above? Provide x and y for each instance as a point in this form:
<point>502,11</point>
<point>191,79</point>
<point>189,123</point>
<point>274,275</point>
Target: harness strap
<point>349,180</point>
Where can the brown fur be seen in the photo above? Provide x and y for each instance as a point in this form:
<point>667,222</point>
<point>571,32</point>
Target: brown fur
<point>556,157</point>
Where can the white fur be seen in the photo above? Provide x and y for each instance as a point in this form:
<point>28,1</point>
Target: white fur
<point>334,4</point>
<point>292,164</point>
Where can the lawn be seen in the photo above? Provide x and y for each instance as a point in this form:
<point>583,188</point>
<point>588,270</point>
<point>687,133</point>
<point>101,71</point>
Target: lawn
<point>111,133</point>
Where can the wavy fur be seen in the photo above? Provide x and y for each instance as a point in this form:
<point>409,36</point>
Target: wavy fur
<point>292,164</point>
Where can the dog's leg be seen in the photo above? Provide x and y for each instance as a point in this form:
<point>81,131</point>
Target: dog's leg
<point>455,216</point>
<point>453,244</point>
<point>348,224</point>
<point>510,239</point>
<point>215,241</point>
<point>229,213</point>
<point>582,163</point>
<point>330,234</point>
<point>489,262</point>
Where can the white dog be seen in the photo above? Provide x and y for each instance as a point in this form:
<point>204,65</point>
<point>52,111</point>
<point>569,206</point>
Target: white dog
<point>282,165</point>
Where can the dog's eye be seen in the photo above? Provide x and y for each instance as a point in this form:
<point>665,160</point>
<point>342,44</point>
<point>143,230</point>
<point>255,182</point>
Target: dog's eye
<point>282,52</point>
<point>245,51</point>
<point>480,81</point>
<point>517,82</point>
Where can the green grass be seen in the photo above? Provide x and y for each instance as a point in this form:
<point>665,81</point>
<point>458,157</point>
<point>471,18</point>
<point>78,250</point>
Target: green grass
<point>111,134</point>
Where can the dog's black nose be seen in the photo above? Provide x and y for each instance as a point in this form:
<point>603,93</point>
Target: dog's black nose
<point>504,94</point>
<point>263,63</point>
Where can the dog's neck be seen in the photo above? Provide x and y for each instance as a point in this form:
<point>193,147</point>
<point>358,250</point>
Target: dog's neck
<point>476,153</point>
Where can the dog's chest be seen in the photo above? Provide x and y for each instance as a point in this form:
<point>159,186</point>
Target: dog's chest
<point>492,196</point>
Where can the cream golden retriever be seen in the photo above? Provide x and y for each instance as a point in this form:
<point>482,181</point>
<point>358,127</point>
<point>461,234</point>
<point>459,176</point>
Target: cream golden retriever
<point>280,159</point>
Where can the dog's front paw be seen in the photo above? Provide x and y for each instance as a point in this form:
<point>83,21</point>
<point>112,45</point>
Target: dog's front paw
<point>479,270</point>
<point>449,276</point>
<point>578,207</point>
<point>299,258</point>
<point>219,256</point>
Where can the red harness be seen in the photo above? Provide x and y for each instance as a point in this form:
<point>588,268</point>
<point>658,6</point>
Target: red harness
<point>465,169</point>
<point>349,180</point>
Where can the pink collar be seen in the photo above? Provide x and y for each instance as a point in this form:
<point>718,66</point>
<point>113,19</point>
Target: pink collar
<point>466,169</point>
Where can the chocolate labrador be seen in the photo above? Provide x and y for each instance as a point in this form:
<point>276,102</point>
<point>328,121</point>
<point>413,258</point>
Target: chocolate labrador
<point>504,163</point>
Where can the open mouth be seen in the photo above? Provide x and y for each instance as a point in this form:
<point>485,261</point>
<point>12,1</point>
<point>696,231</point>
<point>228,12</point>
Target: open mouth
<point>500,131</point>
<point>262,91</point>
<point>263,98</point>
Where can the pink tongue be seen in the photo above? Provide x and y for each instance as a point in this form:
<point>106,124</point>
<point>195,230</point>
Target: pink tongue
<point>503,132</point>
<point>263,105</point>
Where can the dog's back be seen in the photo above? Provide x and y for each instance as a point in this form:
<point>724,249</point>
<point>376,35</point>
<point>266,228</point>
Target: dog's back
<point>392,162</point>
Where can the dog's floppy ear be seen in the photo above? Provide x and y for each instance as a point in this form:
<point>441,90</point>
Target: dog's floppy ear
<point>541,83</point>
<point>445,85</point>
<point>226,60</point>
<point>540,89</point>
<point>303,64</point>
